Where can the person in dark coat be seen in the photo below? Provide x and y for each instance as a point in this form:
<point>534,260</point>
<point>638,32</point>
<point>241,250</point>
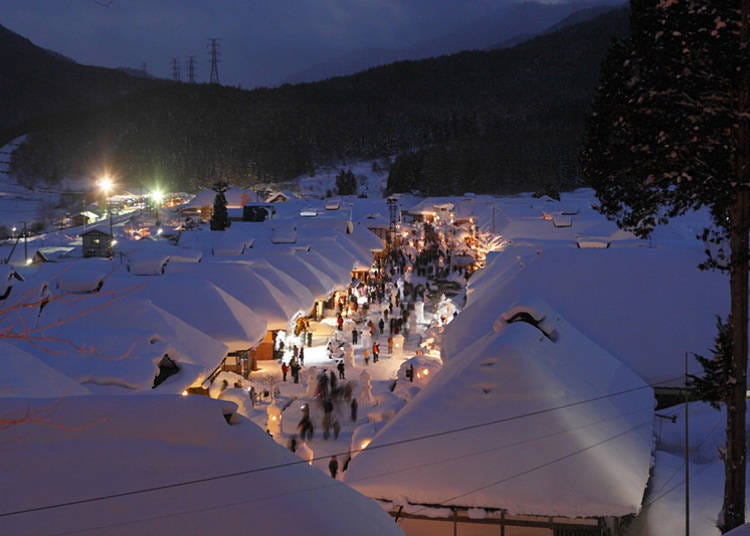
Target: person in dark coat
<point>333,382</point>
<point>354,405</point>
<point>284,370</point>
<point>333,466</point>
<point>340,368</point>
<point>355,336</point>
<point>381,325</point>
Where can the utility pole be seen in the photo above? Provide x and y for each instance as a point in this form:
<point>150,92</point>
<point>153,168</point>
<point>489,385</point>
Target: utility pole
<point>144,68</point>
<point>175,70</point>
<point>390,240</point>
<point>25,248</point>
<point>687,452</point>
<point>190,67</point>
<point>213,49</point>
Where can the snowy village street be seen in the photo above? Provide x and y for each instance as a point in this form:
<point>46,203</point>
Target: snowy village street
<point>525,376</point>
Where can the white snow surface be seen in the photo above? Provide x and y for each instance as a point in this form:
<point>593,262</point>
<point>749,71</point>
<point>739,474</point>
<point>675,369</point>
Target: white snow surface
<point>75,450</point>
<point>535,411</point>
<point>647,306</point>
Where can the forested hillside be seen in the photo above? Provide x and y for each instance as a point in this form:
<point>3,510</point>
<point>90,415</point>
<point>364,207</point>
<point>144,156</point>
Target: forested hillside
<point>38,86</point>
<point>496,121</point>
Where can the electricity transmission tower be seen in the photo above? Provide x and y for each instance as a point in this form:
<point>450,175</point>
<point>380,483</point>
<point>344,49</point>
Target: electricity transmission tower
<point>190,65</point>
<point>213,49</point>
<point>175,70</point>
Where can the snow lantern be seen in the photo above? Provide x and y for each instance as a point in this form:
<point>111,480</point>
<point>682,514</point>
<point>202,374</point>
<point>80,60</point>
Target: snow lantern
<point>274,419</point>
<point>365,390</point>
<point>305,452</point>
<point>398,345</point>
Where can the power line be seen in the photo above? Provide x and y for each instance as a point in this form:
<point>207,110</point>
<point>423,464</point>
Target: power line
<point>225,505</point>
<point>541,466</point>
<point>235,474</point>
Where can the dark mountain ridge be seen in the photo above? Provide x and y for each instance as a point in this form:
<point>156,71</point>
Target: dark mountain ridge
<point>36,84</point>
<point>508,25</point>
<point>495,121</point>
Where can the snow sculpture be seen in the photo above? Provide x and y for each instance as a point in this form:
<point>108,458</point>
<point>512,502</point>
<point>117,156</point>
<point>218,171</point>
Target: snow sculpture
<point>366,339</point>
<point>398,345</point>
<point>419,311</point>
<point>274,419</point>
<point>365,389</point>
<point>412,323</point>
<point>349,356</point>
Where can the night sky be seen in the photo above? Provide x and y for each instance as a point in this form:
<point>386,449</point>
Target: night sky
<point>262,41</point>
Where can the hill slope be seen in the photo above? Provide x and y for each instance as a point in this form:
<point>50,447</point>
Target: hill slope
<point>487,121</point>
<point>36,83</point>
<point>508,24</point>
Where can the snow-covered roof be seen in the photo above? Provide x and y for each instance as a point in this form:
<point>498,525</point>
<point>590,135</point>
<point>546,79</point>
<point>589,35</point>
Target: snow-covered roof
<point>205,476</point>
<point>240,280</point>
<point>190,298</point>
<point>317,282</point>
<point>522,422</point>
<point>647,306</point>
<point>81,343</point>
<point>26,375</point>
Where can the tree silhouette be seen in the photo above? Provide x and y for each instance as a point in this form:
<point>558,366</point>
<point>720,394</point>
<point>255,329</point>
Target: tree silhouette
<point>220,216</point>
<point>669,134</point>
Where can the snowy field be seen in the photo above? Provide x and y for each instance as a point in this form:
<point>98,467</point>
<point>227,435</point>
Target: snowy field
<point>613,316</point>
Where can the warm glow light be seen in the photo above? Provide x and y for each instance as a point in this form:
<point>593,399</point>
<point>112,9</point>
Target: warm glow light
<point>159,231</point>
<point>184,393</point>
<point>105,184</point>
<point>273,417</point>
<point>364,444</point>
<point>114,243</point>
<point>28,261</point>
<point>426,372</point>
<point>157,196</point>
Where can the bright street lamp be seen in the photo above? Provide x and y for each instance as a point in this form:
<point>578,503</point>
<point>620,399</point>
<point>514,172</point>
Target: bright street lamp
<point>157,198</point>
<point>105,185</point>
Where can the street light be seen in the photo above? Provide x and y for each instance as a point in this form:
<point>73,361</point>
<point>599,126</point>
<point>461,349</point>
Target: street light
<point>105,185</point>
<point>157,197</point>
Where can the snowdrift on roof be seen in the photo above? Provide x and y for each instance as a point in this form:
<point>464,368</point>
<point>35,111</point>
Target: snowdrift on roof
<point>83,346</point>
<point>647,306</point>
<point>78,449</point>
<point>25,375</point>
<point>240,280</point>
<point>589,457</point>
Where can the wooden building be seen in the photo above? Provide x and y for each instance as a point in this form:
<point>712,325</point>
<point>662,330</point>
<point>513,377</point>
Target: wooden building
<point>97,242</point>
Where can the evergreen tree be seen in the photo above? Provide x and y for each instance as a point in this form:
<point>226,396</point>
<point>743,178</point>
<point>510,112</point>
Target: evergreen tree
<point>220,216</point>
<point>669,134</point>
<point>713,386</point>
<point>346,183</point>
